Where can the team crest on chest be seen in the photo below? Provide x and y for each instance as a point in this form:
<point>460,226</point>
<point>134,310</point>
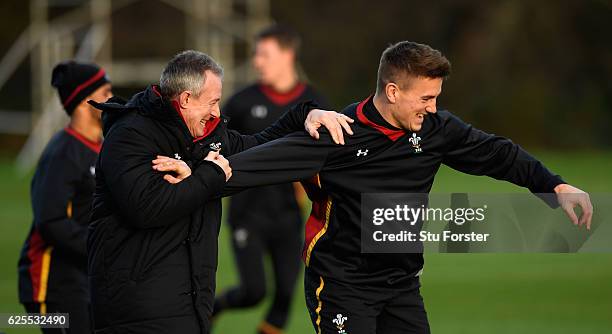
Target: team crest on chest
<point>215,146</point>
<point>340,322</point>
<point>416,143</point>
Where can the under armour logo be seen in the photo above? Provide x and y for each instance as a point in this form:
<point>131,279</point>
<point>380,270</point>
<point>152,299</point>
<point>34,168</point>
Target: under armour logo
<point>177,156</point>
<point>363,153</point>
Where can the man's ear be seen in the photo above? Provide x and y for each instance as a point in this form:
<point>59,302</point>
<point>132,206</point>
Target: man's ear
<point>183,99</point>
<point>391,91</point>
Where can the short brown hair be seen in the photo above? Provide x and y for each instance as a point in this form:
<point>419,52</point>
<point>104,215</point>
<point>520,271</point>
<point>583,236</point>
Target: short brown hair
<point>286,37</point>
<point>406,59</point>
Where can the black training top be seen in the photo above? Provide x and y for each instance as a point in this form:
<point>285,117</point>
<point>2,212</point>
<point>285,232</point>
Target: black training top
<point>378,158</point>
<point>251,110</point>
<point>53,262</point>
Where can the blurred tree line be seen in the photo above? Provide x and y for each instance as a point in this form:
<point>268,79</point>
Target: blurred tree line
<point>538,72</point>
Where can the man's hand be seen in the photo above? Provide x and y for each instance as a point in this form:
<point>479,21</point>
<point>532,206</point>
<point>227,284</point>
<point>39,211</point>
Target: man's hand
<point>182,171</point>
<point>219,160</point>
<point>333,121</point>
<point>169,165</point>
<point>569,197</point>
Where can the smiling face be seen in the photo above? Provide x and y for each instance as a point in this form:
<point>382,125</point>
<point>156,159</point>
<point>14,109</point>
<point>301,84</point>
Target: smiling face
<point>410,105</point>
<point>201,108</point>
<point>409,81</point>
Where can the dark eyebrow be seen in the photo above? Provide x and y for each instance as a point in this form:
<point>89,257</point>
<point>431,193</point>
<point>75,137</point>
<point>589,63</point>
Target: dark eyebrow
<point>428,97</point>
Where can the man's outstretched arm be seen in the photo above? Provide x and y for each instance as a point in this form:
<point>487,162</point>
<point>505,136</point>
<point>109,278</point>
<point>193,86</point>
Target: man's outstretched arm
<point>303,116</point>
<point>478,153</point>
<point>291,158</point>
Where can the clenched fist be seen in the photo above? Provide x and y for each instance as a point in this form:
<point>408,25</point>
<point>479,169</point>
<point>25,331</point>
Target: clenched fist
<point>219,160</point>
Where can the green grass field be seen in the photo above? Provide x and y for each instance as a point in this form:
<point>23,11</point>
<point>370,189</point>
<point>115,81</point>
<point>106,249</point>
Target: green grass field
<point>464,293</point>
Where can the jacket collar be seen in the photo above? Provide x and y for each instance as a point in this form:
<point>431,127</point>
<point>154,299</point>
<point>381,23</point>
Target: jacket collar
<point>365,108</point>
<point>150,103</point>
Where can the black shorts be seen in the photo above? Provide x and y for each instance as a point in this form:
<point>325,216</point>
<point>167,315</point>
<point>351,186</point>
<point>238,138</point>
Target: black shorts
<point>340,308</point>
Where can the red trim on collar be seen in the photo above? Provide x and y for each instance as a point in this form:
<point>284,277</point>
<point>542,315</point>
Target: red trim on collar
<point>209,127</point>
<point>84,85</point>
<point>282,99</point>
<point>176,107</point>
<point>156,90</point>
<point>390,133</point>
<point>94,146</point>
<point>173,102</point>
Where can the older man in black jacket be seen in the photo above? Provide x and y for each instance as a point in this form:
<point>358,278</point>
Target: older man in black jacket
<point>153,244</point>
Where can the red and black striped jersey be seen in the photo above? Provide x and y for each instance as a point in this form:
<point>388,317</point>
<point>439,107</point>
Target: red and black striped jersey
<point>378,158</point>
<point>53,261</point>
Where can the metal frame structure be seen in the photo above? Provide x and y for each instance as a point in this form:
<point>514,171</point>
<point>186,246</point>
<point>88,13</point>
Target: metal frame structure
<point>212,26</point>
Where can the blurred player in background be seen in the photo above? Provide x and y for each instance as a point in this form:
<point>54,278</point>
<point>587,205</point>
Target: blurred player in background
<point>53,262</point>
<point>267,219</point>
